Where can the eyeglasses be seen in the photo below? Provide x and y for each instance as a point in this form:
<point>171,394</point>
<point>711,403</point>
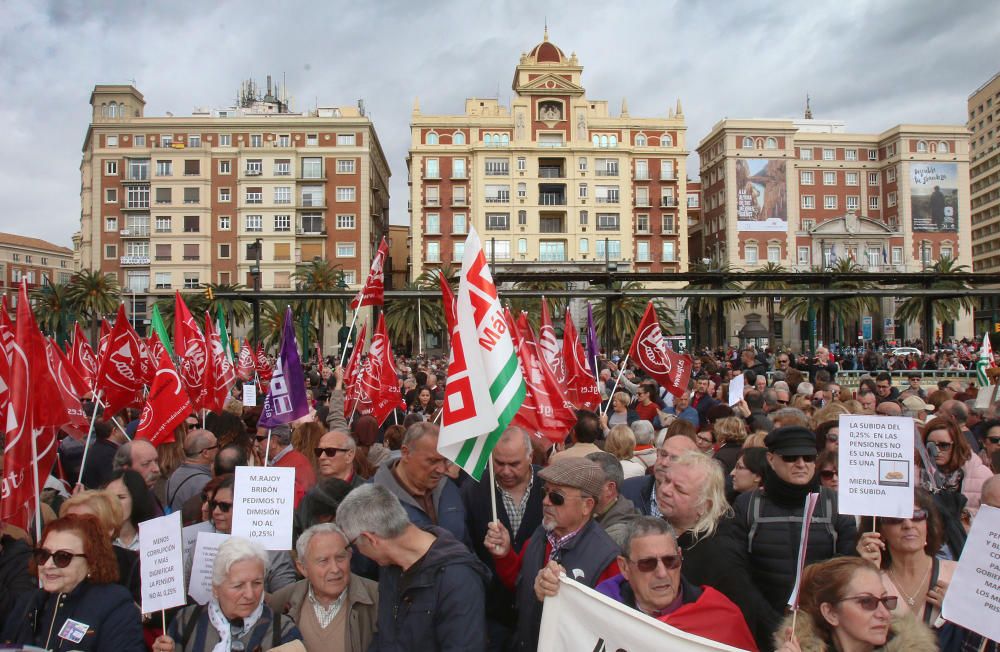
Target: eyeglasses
<point>218,504</point>
<point>555,497</point>
<point>828,474</point>
<point>941,445</point>
<point>792,459</point>
<point>650,564</point>
<point>871,603</point>
<point>209,448</point>
<point>329,451</point>
<point>832,437</point>
<point>61,558</point>
<point>260,437</point>
<point>882,386</point>
<point>918,516</point>
<point>993,440</point>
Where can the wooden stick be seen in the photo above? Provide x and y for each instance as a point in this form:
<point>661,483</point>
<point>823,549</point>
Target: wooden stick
<point>268,448</point>
<point>86,445</point>
<point>493,494</point>
<point>163,619</point>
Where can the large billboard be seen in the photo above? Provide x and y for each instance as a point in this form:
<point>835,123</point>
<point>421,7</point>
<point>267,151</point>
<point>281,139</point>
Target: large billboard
<point>761,195</point>
<point>934,196</point>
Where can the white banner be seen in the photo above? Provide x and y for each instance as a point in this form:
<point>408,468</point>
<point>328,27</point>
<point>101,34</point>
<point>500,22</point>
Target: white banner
<point>579,619</point>
<point>876,466</point>
<point>264,505</point>
<point>205,550</point>
<point>161,564</point>
<point>973,597</point>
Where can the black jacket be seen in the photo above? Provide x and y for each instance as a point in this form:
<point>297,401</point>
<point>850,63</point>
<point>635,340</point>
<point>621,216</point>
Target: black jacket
<point>14,576</point>
<point>640,492</point>
<point>438,604</point>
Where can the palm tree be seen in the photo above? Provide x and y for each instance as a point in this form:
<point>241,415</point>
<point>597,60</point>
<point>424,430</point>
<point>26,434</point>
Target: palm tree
<point>407,319</point>
<point>533,305</point>
<point>942,310</point>
<point>849,309</point>
<point>196,302</point>
<point>321,275</point>
<point>272,323</point>
<point>53,309</point>
<point>767,301</point>
<point>626,313</point>
<point>93,294</point>
<point>237,312</point>
<point>701,309</point>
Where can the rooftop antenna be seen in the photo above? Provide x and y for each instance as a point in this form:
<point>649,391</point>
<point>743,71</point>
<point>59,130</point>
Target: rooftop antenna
<point>361,107</point>
<point>809,111</point>
<point>132,81</point>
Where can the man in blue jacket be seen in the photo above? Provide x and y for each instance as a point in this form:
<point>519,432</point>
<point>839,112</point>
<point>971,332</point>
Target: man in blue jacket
<point>432,589</point>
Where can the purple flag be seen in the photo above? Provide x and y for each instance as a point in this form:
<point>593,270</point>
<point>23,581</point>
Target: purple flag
<point>593,348</point>
<point>286,397</point>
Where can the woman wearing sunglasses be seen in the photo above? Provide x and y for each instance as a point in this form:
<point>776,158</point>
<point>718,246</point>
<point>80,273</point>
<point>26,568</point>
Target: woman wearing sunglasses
<point>79,605</point>
<point>958,469</point>
<point>843,605</point>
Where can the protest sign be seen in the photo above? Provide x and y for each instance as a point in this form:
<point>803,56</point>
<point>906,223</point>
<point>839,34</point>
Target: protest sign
<point>161,564</point>
<point>189,536</point>
<point>580,618</point>
<point>876,466</point>
<point>200,582</point>
<point>973,597</point>
<point>263,505</point>
<point>736,386</point>
<point>249,395</point>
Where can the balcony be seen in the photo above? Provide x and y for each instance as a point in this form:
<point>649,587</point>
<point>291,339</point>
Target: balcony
<point>668,202</point>
<point>551,173</point>
<point>310,232</point>
<point>551,199</point>
<point>608,199</point>
<point>642,202</point>
<point>498,172</point>
<point>134,260</point>
<point>642,176</point>
<point>252,172</point>
<point>458,201</point>
<point>666,175</point>
<point>137,205</point>
<point>135,232</point>
<point>552,256</point>
<point>312,202</point>
<point>496,199</point>
<point>606,172</point>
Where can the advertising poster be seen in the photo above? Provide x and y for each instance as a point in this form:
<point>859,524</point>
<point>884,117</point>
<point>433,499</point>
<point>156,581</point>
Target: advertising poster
<point>761,195</point>
<point>934,197</point>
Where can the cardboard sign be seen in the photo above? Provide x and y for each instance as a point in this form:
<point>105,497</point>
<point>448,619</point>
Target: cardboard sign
<point>264,505</point>
<point>249,395</point>
<point>736,386</point>
<point>876,466</point>
<point>161,563</point>
<point>973,597</point>
<point>205,550</point>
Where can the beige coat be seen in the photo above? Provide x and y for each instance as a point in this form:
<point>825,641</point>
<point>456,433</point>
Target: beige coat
<point>906,634</point>
<point>362,605</point>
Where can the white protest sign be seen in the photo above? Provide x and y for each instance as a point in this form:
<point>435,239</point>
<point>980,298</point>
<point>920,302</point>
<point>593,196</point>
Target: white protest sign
<point>189,536</point>
<point>876,466</point>
<point>736,386</point>
<point>580,618</point>
<point>205,550</point>
<point>264,505</point>
<point>973,597</point>
<point>249,395</point>
<point>161,563</point>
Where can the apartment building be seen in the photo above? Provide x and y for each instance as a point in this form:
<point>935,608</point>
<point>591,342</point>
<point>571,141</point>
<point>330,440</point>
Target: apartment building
<point>984,172</point>
<point>237,195</point>
<point>806,194</point>
<point>33,260</point>
<point>551,182</point>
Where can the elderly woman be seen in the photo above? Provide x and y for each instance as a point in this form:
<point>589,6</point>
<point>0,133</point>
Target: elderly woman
<point>619,414</point>
<point>236,618</point>
<point>79,605</point>
<point>843,605</point>
<point>958,468</point>
<point>621,444</point>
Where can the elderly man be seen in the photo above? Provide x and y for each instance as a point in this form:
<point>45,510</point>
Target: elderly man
<point>188,479</point>
<point>567,535</point>
<point>868,402</point>
<point>431,589</point>
<point>651,581</point>
<point>331,607</point>
<point>613,512</point>
<point>683,410</point>
<point>915,408</point>
<point>278,450</point>
<point>418,480</point>
<point>141,456</point>
<point>889,409</point>
<point>821,362</point>
<point>335,457</point>
<point>958,411</point>
<point>642,490</point>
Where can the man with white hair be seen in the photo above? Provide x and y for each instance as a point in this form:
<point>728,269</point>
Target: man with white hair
<point>645,451</point>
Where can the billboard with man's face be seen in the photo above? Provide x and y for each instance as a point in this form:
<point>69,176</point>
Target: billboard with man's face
<point>934,197</point>
<point>761,195</point>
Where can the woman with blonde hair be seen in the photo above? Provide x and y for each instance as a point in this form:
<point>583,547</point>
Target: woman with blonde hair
<point>621,443</point>
<point>305,439</point>
<point>730,433</point>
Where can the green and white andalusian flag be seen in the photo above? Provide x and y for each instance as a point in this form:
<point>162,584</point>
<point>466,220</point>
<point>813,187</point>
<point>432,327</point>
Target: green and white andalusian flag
<point>485,388</point>
<point>984,397</point>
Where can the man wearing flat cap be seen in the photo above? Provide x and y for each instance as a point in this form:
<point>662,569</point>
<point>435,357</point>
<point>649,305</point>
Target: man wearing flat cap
<point>768,521</point>
<point>568,541</point>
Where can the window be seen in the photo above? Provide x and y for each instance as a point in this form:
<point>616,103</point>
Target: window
<point>192,195</point>
<point>522,190</point>
<point>805,256</point>
<point>806,177</point>
<point>432,169</point>
<point>312,140</point>
<point>110,224</point>
<point>284,140</point>
<point>27,259</point>
<point>873,202</point>
<point>606,194</point>
<point>582,191</point>
<point>750,254</point>
<point>853,202</point>
<point>808,201</point>
<point>458,168</point>
<point>192,167</point>
<point>255,223</point>
<point>522,164</point>
<point>111,140</point>
<point>611,249</point>
<point>111,168</point>
<point>282,251</point>
<point>137,197</point>
<point>873,155</point>
<point>434,252</point>
<point>890,175</point>
<point>642,170</point>
<point>584,246</point>
<point>225,167</point>
<point>642,196</point>
<point>345,221</point>
<point>747,142</point>
<point>225,222</point>
<point>498,248</point>
<point>312,168</point>
<point>282,167</point>
<point>225,140</point>
<point>458,138</point>
<point>922,147</point>
<point>163,224</point>
<point>640,140</point>
<point>458,195</point>
<point>607,222</point>
<point>583,218</point>
<point>873,178</point>
<point>162,280</point>
<point>666,170</point>
<point>771,143</point>
<point>255,195</point>
<point>607,167</point>
<point>497,167</point>
<point>311,196</point>
<point>282,280</point>
<point>110,251</point>
<point>345,166</point>
<point>667,224</point>
<point>581,164</point>
<point>256,140</point>
<point>283,195</point>
<point>522,219</point>
<point>191,252</point>
<point>773,253</point>
<point>942,148</point>
<point>457,251</point>
<point>432,195</point>
<point>806,153</point>
<point>497,194</point>
<point>829,154</point>
<point>851,178</point>
<point>829,202</point>
<point>191,224</point>
<point>139,140</point>
<point>345,139</point>
<point>166,140</point>
<point>498,221</point>
<point>897,255</point>
<point>282,223</point>
<point>254,167</point>
<point>458,223</point>
<point>669,252</point>
<point>225,195</point>
<point>349,277</point>
<point>313,223</point>
<point>522,246</point>
<point>642,251</point>
<point>345,193</point>
<point>254,252</point>
<point>110,195</point>
<point>642,223</point>
<point>829,178</point>
<point>850,155</point>
<point>191,280</point>
<point>433,223</point>
<point>891,199</point>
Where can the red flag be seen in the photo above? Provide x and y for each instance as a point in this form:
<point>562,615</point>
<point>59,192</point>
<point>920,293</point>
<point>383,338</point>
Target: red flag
<point>245,365</point>
<point>264,368</point>
<point>69,391</point>
<point>32,420</point>
<point>352,388</point>
<point>154,346</point>
<point>192,351</point>
<point>373,292</point>
<point>167,405</point>
<point>6,329</point>
<point>580,387</point>
<point>222,373</point>
<point>102,343</point>
<point>448,299</point>
<point>551,353</point>
<point>147,364</point>
<point>118,375</point>
<point>82,359</point>
<point>379,384</point>
<point>545,410</point>
<point>671,370</point>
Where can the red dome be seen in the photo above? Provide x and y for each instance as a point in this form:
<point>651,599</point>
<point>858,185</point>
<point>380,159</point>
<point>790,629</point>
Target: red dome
<point>546,52</point>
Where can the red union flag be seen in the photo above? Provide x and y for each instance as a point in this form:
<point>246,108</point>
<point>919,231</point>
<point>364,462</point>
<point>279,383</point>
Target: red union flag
<point>545,410</point>
<point>649,350</point>
<point>263,365</point>
<point>549,346</point>
<point>373,293</point>
<point>6,329</point>
<point>580,386</point>
<point>352,388</point>
<point>192,349</point>
<point>69,394</point>
<point>82,358</point>
<point>379,379</point>
<point>222,374</point>
<point>166,406</point>
<point>118,376</point>
<point>245,363</point>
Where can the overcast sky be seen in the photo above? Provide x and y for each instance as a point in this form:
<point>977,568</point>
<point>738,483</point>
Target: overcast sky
<point>872,64</point>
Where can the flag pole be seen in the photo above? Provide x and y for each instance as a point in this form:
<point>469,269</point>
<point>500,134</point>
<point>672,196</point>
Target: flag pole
<point>621,370</point>
<point>267,449</point>
<point>38,493</point>
<point>493,491</point>
<point>350,330</point>
<point>86,445</point>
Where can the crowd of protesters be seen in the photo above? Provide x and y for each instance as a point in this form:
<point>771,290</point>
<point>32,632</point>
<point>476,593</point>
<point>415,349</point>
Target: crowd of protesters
<point>685,508</point>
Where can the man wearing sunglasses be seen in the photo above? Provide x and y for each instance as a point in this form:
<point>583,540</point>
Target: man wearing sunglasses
<point>568,541</point>
<point>335,453</point>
